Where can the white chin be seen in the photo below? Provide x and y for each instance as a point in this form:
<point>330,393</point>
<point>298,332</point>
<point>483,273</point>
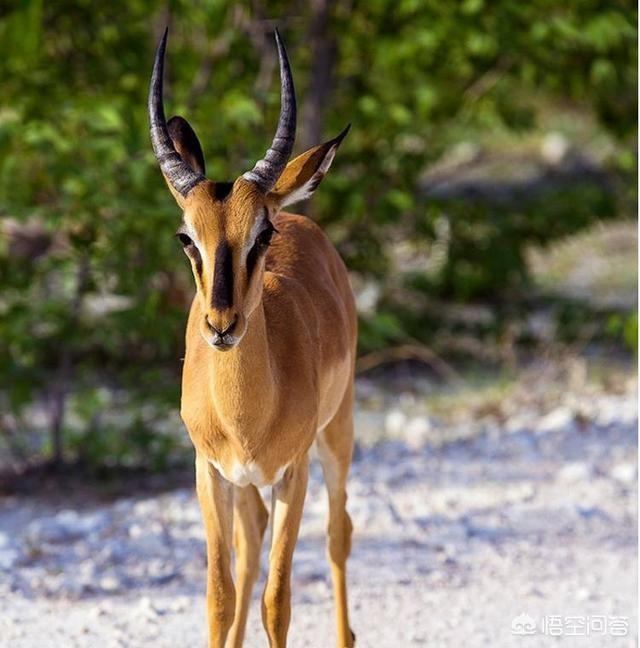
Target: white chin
<point>228,343</point>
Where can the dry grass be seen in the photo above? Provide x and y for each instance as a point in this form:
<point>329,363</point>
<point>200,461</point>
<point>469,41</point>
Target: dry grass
<point>599,265</point>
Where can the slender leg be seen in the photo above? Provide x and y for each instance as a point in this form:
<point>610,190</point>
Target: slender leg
<point>286,511</point>
<point>215,495</point>
<point>335,445</point>
<point>249,523</point>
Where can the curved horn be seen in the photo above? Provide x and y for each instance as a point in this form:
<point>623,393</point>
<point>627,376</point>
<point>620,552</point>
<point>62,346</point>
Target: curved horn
<point>177,172</point>
<point>267,171</point>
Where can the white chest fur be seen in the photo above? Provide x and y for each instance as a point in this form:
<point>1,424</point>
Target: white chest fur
<point>243,474</point>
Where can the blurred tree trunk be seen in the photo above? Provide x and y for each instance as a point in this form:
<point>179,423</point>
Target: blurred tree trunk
<point>65,369</point>
<point>59,393</point>
<point>323,53</point>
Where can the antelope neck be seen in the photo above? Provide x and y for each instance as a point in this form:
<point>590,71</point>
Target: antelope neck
<point>244,375</point>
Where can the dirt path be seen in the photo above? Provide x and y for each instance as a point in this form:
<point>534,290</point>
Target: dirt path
<point>531,516</point>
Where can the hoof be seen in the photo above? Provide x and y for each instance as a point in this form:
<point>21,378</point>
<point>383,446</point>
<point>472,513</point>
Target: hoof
<point>353,637</point>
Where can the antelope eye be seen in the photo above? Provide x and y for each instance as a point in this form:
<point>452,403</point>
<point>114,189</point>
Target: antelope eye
<point>184,239</point>
<point>264,238</point>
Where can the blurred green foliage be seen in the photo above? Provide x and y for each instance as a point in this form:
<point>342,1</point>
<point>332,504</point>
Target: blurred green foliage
<point>415,77</point>
<point>626,328</point>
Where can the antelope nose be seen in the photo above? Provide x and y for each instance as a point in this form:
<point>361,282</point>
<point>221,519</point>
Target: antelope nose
<point>224,331</point>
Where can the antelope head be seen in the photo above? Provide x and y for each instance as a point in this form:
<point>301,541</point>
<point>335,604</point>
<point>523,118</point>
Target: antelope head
<point>227,227</point>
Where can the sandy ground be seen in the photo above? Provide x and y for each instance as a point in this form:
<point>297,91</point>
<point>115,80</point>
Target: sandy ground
<point>528,514</point>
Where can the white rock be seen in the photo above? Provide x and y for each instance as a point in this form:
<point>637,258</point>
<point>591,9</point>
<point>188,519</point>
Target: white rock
<point>110,584</point>
<point>417,432</point>
<point>147,608</point>
<point>627,473</point>
<point>395,422</point>
<point>574,472</point>
<point>583,594</point>
<point>518,422</point>
<point>367,297</point>
<point>104,609</point>
<point>554,147</point>
<point>146,507</point>
<point>556,420</point>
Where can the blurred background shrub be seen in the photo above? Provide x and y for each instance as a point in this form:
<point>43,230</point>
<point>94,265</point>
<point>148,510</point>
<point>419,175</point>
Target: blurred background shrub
<point>482,133</point>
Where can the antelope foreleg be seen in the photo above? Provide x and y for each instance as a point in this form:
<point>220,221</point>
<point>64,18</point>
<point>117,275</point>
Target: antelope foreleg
<point>215,495</point>
<point>286,511</point>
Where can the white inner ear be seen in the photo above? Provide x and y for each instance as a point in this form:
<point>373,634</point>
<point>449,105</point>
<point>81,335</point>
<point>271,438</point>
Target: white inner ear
<point>304,191</point>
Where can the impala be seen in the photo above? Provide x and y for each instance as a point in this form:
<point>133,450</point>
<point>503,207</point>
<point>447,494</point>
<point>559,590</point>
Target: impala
<point>269,363</point>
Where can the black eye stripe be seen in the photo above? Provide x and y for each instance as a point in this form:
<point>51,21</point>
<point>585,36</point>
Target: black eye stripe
<point>222,289</point>
<point>222,293</point>
<point>198,261</point>
<point>259,248</point>
<point>252,259</point>
<point>193,253</point>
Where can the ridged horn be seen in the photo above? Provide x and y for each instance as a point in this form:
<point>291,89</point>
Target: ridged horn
<point>177,172</point>
<point>267,170</point>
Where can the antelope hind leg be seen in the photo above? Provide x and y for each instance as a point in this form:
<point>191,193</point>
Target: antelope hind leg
<point>335,447</point>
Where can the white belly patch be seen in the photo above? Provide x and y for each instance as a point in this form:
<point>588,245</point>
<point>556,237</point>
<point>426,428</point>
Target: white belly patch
<point>243,474</point>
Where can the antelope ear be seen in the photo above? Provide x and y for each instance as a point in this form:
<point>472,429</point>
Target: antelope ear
<point>303,174</point>
<point>186,143</point>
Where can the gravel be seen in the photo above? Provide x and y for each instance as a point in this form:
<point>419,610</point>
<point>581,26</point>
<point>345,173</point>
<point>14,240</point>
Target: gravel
<point>460,527</point>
